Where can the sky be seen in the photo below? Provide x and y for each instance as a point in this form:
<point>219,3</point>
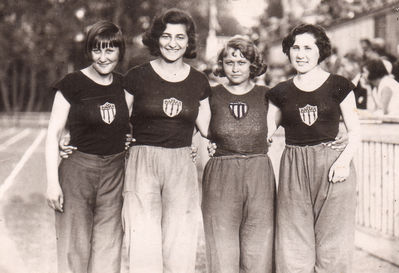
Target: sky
<point>247,11</point>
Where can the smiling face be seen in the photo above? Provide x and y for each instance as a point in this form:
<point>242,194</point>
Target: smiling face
<point>173,42</point>
<point>304,53</point>
<point>236,66</point>
<point>105,58</point>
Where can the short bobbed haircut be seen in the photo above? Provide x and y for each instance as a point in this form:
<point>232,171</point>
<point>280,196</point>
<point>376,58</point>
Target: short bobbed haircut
<point>158,26</point>
<point>322,41</point>
<point>104,34</point>
<point>248,50</point>
<point>376,69</point>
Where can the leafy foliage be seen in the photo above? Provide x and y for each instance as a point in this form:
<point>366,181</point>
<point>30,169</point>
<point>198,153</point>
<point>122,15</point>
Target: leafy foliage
<point>41,40</point>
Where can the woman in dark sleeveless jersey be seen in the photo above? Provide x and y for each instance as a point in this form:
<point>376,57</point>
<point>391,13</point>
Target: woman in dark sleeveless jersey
<point>238,181</point>
<point>161,197</point>
<point>86,188</point>
<point>317,188</point>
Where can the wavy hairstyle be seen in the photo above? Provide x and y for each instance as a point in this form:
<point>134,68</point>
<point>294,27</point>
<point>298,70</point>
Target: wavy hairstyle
<point>158,26</point>
<point>248,50</point>
<point>322,41</point>
<point>104,34</point>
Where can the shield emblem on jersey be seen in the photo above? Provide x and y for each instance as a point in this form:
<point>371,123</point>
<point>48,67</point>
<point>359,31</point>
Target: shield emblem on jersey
<point>108,112</point>
<point>238,109</point>
<point>308,114</point>
<point>172,107</point>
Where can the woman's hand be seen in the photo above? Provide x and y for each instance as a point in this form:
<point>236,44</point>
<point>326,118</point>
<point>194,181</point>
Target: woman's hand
<point>211,148</point>
<point>194,153</point>
<point>339,171</point>
<point>64,147</point>
<point>340,142</point>
<point>55,197</point>
<point>128,140</point>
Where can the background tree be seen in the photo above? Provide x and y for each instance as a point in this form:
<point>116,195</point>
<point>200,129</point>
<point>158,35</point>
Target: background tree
<point>41,40</point>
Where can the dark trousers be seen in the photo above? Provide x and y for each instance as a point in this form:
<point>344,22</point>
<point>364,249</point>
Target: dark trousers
<point>238,210</point>
<point>315,218</point>
<point>89,231</point>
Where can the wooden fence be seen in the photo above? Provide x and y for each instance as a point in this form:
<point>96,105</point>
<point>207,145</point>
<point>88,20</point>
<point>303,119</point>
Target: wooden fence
<point>377,166</point>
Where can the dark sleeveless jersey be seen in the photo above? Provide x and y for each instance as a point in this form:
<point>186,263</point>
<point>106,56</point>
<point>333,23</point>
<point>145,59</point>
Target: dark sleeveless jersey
<point>164,113</point>
<point>98,118</point>
<point>238,123</point>
<point>311,118</point>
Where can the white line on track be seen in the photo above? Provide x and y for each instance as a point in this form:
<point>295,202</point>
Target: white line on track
<point>28,153</point>
<point>7,132</point>
<point>14,139</point>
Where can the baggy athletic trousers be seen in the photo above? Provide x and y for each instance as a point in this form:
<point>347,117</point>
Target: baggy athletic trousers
<point>315,218</point>
<point>89,231</point>
<point>161,212</point>
<point>238,211</point>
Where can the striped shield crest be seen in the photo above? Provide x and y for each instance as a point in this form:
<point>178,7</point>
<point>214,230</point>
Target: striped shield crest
<point>238,109</point>
<point>172,107</point>
<point>308,114</point>
<point>108,112</point>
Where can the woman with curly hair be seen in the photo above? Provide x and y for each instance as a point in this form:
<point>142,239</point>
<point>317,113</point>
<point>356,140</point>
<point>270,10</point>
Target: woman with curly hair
<point>316,199</point>
<point>238,181</point>
<point>161,196</point>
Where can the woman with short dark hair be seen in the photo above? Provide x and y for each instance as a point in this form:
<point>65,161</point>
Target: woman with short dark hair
<point>321,40</point>
<point>86,189</point>
<point>161,196</point>
<point>173,16</point>
<point>316,200</point>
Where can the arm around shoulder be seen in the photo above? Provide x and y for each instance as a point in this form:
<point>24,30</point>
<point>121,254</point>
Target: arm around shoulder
<point>129,101</point>
<point>204,117</point>
<point>273,119</point>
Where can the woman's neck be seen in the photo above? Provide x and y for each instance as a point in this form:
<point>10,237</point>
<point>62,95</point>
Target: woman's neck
<point>171,71</point>
<point>311,80</point>
<point>239,89</point>
<point>102,79</point>
<point>166,65</point>
<point>310,75</point>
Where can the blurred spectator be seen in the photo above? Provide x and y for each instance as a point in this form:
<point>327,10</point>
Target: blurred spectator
<point>379,46</point>
<point>365,46</point>
<point>333,62</point>
<point>350,68</point>
<point>277,73</point>
<point>213,80</point>
<point>385,89</point>
<point>376,49</point>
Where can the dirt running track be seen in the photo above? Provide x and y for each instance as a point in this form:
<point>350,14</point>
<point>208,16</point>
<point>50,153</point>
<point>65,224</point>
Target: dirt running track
<point>27,235</point>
